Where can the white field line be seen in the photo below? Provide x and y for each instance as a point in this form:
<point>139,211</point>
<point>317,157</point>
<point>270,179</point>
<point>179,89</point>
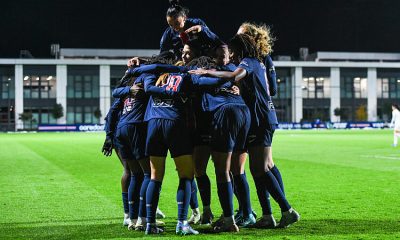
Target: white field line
<point>391,157</point>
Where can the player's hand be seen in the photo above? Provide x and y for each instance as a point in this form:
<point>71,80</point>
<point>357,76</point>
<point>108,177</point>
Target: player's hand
<point>194,29</point>
<point>136,89</point>
<point>107,147</point>
<point>199,71</point>
<point>133,62</point>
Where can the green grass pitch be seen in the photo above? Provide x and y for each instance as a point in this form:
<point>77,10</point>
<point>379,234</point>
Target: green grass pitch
<point>345,184</point>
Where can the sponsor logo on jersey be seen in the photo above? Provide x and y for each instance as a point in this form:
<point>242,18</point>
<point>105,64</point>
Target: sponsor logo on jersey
<point>128,105</point>
<point>270,105</point>
<point>157,102</point>
<point>244,63</point>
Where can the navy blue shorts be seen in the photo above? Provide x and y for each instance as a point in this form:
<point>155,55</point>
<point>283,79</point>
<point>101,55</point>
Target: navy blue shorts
<point>164,135</point>
<point>231,124</point>
<point>261,135</point>
<point>202,131</point>
<point>131,141</point>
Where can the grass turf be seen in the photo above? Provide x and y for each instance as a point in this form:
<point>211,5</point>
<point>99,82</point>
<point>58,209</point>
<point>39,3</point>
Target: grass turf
<point>345,184</point>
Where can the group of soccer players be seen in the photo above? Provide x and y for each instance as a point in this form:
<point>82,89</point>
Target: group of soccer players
<point>199,98</point>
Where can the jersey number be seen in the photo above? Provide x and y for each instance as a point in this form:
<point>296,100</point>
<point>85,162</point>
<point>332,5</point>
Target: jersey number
<point>173,82</point>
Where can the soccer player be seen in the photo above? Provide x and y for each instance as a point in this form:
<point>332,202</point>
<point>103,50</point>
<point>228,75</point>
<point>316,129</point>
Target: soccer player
<point>109,144</point>
<point>188,54</point>
<point>182,29</point>
<point>252,76</point>
<point>395,123</point>
<point>264,42</point>
<point>230,125</point>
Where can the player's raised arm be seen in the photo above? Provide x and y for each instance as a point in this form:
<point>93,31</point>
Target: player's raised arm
<point>237,75</point>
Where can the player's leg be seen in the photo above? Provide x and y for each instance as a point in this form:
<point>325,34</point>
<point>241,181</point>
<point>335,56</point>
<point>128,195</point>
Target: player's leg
<point>181,149</point>
<point>201,156</point>
<point>262,175</point>
<point>222,162</point>
<point>157,150</point>
<point>229,133</point>
<point>125,180</point>
<point>274,169</point>
<point>157,164</point>
<point>184,166</point>
<point>134,189</point>
<point>123,141</point>
<point>396,135</point>
<point>246,217</point>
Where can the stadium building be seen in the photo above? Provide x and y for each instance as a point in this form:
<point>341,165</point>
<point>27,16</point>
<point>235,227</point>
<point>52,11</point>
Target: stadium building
<point>330,86</point>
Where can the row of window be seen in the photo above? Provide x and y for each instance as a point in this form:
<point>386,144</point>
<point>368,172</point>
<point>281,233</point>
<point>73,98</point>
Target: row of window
<point>83,82</point>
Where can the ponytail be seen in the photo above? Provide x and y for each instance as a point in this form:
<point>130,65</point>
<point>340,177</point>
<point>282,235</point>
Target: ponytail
<point>175,10</point>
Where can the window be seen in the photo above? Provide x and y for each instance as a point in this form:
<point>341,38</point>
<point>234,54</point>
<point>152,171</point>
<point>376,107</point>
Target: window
<point>83,82</point>
<point>316,83</point>
<point>82,115</point>
<point>284,83</point>
<point>353,83</point>
<point>388,83</point>
<point>39,82</point>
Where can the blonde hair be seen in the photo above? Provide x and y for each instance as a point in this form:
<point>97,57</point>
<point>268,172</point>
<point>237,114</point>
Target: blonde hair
<point>261,33</point>
<point>162,79</point>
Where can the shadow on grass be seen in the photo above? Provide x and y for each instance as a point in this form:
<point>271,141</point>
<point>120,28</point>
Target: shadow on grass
<point>301,229</point>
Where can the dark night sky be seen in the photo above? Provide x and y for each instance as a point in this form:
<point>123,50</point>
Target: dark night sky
<point>321,25</point>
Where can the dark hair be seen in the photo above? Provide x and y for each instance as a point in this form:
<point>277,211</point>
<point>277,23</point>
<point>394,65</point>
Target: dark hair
<point>245,45</point>
<point>396,106</point>
<point>175,10</point>
<point>203,62</point>
<point>195,49</point>
<point>165,57</point>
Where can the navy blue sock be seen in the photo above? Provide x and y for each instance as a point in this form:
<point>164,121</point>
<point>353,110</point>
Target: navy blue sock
<point>225,195</point>
<point>205,189</point>
<point>236,193</point>
<point>275,190</point>
<point>142,195</point>
<point>125,202</point>
<point>194,202</point>
<point>183,198</point>
<point>243,190</point>
<point>152,197</point>
<point>263,195</point>
<point>131,197</point>
<point>278,177</point>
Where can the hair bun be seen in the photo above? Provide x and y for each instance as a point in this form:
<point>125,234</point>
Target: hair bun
<point>174,2</point>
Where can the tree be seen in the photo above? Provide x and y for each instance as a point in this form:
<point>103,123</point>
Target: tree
<point>26,117</point>
<point>97,113</point>
<point>361,113</point>
<point>337,112</point>
<point>57,111</point>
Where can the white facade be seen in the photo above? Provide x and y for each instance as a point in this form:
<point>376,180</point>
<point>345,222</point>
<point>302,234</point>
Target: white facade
<point>297,100</point>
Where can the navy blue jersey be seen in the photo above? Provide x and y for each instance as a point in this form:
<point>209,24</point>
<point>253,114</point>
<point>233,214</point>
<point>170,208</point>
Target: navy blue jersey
<point>255,92</point>
<point>205,39</point>
<point>271,75</point>
<point>112,117</point>
<point>133,108</point>
<point>217,93</point>
<point>167,101</point>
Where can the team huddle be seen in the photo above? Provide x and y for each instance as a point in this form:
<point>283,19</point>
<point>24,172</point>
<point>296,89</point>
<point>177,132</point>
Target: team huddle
<point>199,97</point>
